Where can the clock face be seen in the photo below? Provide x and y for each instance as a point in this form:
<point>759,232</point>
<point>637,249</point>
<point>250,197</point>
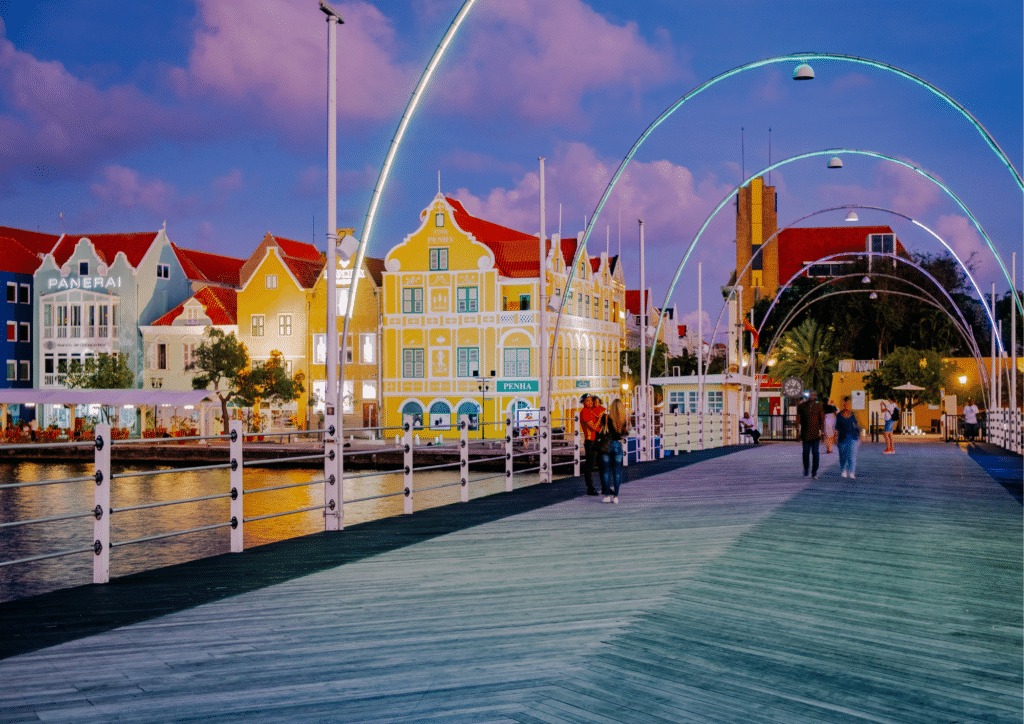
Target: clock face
<point>793,387</point>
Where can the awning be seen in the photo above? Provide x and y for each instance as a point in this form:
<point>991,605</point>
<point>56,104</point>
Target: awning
<point>113,398</point>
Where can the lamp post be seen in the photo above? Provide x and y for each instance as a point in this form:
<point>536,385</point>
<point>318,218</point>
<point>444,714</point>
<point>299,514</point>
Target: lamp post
<point>483,386</point>
<point>543,391</point>
<point>333,405</point>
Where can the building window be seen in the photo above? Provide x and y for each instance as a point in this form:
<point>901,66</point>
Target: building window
<point>882,243</point>
<point>586,306</point>
<point>438,259</point>
<point>579,303</point>
<point>161,356</point>
<point>12,331</point>
<point>524,302</point>
<point>412,300</point>
<point>12,292</point>
<point>24,294</point>
<point>188,355</point>
<point>468,299</point>
<point>12,370</point>
<point>26,371</point>
<point>284,325</point>
<point>25,332</point>
<point>367,348</point>
<point>439,219</point>
<point>440,416</point>
<point>257,325</point>
<point>606,310</point>
<point>412,363</point>
<point>271,281</point>
<point>347,346</point>
<point>83,269</point>
<point>468,361</point>
<point>416,412</point>
<point>191,315</point>
<point>517,362</point>
<point>163,271</point>
<point>48,364</point>
<point>715,404</point>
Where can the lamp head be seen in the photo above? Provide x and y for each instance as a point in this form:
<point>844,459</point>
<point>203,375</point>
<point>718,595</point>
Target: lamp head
<point>873,295</point>
<point>852,216</point>
<point>803,72</point>
<point>331,12</point>
<point>835,162</point>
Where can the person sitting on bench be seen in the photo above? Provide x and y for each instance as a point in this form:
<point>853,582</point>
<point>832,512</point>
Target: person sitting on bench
<point>748,425</point>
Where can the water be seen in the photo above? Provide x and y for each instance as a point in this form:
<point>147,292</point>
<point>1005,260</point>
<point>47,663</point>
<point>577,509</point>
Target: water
<point>44,501</point>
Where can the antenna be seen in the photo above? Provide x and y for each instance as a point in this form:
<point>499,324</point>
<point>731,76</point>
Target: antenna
<point>438,182</point>
<point>743,159</point>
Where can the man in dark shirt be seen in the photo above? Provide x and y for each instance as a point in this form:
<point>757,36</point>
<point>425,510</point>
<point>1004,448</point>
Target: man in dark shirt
<point>810,421</point>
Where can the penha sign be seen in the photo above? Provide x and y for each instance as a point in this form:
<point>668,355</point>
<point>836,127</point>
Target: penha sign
<point>518,386</point>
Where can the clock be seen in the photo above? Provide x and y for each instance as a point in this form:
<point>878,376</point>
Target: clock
<point>793,387</point>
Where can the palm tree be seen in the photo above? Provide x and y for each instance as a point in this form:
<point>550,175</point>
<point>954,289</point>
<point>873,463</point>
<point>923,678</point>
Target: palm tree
<point>811,352</point>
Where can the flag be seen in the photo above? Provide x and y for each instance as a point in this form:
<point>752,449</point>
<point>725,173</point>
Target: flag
<point>750,328</point>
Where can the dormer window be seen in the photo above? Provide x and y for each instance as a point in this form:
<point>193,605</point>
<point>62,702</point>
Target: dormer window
<point>83,268</point>
<point>163,271</point>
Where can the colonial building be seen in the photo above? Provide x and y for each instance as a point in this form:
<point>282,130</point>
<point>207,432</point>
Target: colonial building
<point>460,332</point>
<point>794,248</point>
<point>92,294</point>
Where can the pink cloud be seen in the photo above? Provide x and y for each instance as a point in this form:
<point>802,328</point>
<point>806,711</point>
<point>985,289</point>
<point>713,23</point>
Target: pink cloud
<point>54,119</point>
<point>228,183</point>
<point>892,187</point>
<point>541,57</point>
<point>961,234</point>
<point>273,54</point>
<point>123,188</point>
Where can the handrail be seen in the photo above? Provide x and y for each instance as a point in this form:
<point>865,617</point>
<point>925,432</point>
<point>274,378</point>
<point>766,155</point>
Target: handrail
<point>45,556</point>
<point>164,503</point>
<point>288,512</point>
<point>31,483</point>
<point>161,536</point>
<point>69,516</point>
<point>147,473</point>
<point>283,487</point>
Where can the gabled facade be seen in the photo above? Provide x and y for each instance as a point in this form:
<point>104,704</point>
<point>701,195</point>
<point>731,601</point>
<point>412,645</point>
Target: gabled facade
<point>273,309</point>
<point>460,324</point>
<point>23,251</point>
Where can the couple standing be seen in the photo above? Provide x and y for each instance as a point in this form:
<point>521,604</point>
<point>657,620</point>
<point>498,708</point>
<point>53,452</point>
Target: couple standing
<point>810,420</point>
<point>603,433</point>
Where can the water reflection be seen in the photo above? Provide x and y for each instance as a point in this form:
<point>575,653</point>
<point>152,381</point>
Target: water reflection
<point>46,501</point>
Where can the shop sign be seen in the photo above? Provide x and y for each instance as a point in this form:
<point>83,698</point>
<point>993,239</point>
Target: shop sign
<point>518,386</point>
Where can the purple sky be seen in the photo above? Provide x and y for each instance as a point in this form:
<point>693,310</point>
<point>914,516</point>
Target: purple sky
<point>211,115</point>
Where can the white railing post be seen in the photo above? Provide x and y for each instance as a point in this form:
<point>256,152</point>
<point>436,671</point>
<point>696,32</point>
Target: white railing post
<point>545,445</point>
<point>334,479</point>
<point>510,448</point>
<point>464,456</point>
<point>407,422</point>
<point>237,490</point>
<point>576,442</point>
<point>101,526</point>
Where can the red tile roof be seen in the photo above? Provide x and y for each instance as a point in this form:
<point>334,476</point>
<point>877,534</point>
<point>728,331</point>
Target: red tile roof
<point>107,246</point>
<point>16,258</point>
<point>221,306</point>
<point>633,301</point>
<point>202,266</point>
<point>806,244</point>
<point>34,241</point>
<point>305,271</point>
<point>515,252</point>
<point>298,249</point>
<point>375,267</point>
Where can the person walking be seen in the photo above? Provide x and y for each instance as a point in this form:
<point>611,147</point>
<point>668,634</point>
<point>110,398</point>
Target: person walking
<point>970,420</point>
<point>810,422</point>
<point>615,427</point>
<point>830,411</point>
<point>892,416</point>
<point>848,440</point>
<point>589,427</point>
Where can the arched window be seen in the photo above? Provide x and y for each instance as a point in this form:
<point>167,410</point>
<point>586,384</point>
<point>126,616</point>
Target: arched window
<point>416,410</point>
<point>440,416</point>
<point>472,410</point>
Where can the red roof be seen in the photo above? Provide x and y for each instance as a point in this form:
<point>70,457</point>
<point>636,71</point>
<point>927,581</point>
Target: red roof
<point>107,246</point>
<point>802,245</point>
<point>298,249</point>
<point>16,258</point>
<point>633,300</point>
<point>33,241</point>
<point>221,306</point>
<point>306,272</point>
<point>201,266</point>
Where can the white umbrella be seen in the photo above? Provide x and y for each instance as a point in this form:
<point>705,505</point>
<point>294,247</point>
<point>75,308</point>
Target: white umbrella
<point>908,387</point>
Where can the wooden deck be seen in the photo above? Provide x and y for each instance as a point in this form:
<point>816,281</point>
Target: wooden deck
<point>728,590</point>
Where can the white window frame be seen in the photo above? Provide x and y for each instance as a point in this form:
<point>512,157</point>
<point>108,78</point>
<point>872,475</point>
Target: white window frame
<point>258,325</point>
<point>438,258</point>
<point>284,325</point>
<point>412,300</point>
<point>367,348</point>
<point>467,361</point>
<point>516,362</point>
<point>468,299</point>
<point>24,332</point>
<point>12,292</point>
<point>271,281</point>
<point>413,363</point>
<point>24,290</point>
<point>12,370</point>
<point>25,375</point>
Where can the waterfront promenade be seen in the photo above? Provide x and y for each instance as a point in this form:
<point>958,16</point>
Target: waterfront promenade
<point>725,589</point>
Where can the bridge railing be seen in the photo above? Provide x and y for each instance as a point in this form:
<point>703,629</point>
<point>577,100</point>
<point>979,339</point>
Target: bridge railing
<point>480,448</point>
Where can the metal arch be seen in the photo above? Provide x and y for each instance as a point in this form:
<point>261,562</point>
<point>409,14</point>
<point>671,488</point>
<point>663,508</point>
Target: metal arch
<point>838,208</point>
<point>757,386</point>
<point>831,151</point>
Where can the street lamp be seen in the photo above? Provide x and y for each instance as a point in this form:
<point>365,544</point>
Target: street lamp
<point>852,216</point>
<point>483,386</point>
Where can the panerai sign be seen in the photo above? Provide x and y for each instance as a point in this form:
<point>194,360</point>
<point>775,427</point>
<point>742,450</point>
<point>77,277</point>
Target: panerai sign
<point>85,283</point>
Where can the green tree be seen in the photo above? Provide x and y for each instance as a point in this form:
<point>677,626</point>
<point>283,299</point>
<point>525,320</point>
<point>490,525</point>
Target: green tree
<point>810,352</point>
<point>103,372</point>
<point>924,368</point>
<point>220,358</point>
<point>268,382</point>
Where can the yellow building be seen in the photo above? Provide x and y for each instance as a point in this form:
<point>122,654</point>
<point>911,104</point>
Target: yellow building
<point>273,311</point>
<point>361,386</point>
<point>460,325</point>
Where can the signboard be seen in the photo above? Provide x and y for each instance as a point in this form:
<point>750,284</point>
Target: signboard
<point>527,417</point>
<point>518,386</point>
<point>582,384</point>
<point>857,399</point>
